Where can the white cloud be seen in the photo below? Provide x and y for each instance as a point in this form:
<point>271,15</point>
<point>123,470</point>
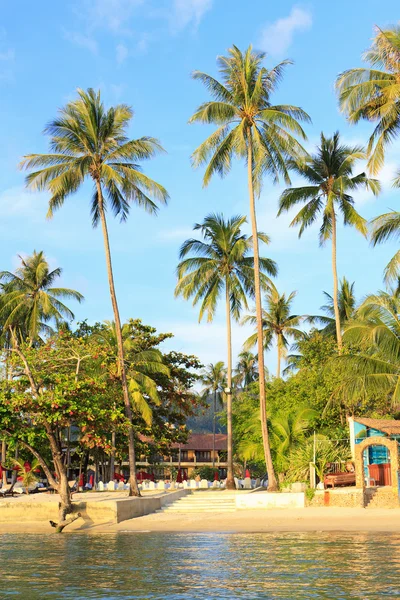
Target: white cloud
<point>121,53</point>
<point>189,12</point>
<point>82,40</point>
<point>112,15</point>
<point>277,37</point>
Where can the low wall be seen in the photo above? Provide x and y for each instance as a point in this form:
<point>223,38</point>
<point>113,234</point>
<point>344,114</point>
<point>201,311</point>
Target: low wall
<point>270,500</point>
<point>129,508</point>
<point>93,511</point>
<point>345,498</point>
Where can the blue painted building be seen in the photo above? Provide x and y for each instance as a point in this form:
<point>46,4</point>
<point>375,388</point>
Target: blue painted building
<point>363,428</point>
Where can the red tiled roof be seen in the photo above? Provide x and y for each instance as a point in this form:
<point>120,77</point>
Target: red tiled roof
<point>204,441</point>
<point>389,426</point>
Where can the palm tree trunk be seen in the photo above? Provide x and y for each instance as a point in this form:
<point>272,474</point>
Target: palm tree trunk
<point>133,486</point>
<point>272,484</point>
<point>230,481</point>
<point>213,442</point>
<point>3,460</point>
<point>335,285</point>
<point>278,368</point>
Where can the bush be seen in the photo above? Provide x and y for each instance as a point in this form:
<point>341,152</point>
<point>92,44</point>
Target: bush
<point>205,472</point>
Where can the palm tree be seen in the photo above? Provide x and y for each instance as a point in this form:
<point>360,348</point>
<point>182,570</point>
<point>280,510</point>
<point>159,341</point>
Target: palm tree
<point>374,94</point>
<point>30,301</point>
<point>279,325</point>
<point>221,263</point>
<point>385,227</point>
<point>213,379</point>
<point>140,368</point>
<point>347,308</point>
<point>330,175</point>
<point>249,127</point>
<point>288,432</point>
<point>246,369</point>
<point>88,141</point>
<point>375,369</point>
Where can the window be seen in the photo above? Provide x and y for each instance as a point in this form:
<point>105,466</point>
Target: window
<point>203,455</point>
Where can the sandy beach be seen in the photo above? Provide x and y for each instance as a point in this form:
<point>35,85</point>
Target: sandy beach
<point>252,521</point>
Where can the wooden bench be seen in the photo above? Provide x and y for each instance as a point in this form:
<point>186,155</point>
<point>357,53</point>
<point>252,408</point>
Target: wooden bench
<point>333,479</point>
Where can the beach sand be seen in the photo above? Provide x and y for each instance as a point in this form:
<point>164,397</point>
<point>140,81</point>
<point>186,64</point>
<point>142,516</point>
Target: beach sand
<point>248,521</point>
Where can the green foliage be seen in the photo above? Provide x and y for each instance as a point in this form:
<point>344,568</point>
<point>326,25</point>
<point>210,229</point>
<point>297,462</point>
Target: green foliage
<point>331,180</point>
<point>221,262</point>
<point>243,111</point>
<point>205,472</point>
<point>30,301</point>
<point>373,94</point>
<point>374,371</point>
<point>27,474</point>
<point>89,141</point>
<point>279,324</point>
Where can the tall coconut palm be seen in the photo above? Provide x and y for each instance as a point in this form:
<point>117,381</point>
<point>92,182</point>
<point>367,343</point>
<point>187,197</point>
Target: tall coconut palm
<point>221,263</point>
<point>347,307</point>
<point>213,379</point>
<point>30,301</point>
<point>246,369</point>
<point>386,227</point>
<point>89,142</point>
<point>249,127</point>
<point>374,94</point>
<point>279,324</point>
<point>329,173</point>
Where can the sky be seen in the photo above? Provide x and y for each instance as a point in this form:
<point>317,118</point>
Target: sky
<point>142,52</point>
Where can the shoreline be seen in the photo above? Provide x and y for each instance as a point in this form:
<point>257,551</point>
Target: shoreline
<point>311,519</point>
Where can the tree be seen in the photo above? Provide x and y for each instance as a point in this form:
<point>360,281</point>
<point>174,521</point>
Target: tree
<point>330,175</point>
<point>374,95</point>
<point>375,370</point>
<point>90,142</point>
<point>385,227</point>
<point>221,263</point>
<point>213,379</point>
<point>249,127</point>
<point>30,301</point>
<point>55,385</point>
<point>246,369</point>
<point>347,307</point>
<point>279,325</point>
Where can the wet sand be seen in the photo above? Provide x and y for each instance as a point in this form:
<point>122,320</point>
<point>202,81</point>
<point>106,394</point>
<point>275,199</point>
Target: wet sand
<point>247,521</point>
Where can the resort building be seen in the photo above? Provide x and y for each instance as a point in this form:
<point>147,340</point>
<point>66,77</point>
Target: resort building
<point>199,451</point>
<point>375,448</point>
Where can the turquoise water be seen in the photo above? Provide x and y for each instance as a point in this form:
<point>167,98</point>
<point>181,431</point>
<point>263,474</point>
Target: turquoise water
<point>208,566</point>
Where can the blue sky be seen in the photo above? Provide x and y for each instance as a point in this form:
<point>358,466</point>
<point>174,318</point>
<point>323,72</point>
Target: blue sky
<point>142,52</point>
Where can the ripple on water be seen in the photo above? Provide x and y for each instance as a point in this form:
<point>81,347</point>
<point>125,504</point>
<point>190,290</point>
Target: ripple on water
<point>151,566</point>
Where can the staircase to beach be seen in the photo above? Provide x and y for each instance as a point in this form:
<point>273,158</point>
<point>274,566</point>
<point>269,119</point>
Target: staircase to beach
<point>381,497</point>
<point>203,502</point>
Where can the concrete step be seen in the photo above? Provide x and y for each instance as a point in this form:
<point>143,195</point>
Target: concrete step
<point>381,497</point>
<point>202,503</point>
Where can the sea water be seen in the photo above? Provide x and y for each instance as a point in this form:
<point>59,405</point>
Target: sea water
<point>209,566</point>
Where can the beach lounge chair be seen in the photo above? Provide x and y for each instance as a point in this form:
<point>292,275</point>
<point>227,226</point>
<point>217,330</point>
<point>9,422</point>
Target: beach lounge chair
<point>9,491</point>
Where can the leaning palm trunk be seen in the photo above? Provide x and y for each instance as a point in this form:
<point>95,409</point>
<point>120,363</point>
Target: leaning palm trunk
<point>3,460</point>
<point>335,285</point>
<point>272,483</point>
<point>133,486</point>
<point>230,481</point>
